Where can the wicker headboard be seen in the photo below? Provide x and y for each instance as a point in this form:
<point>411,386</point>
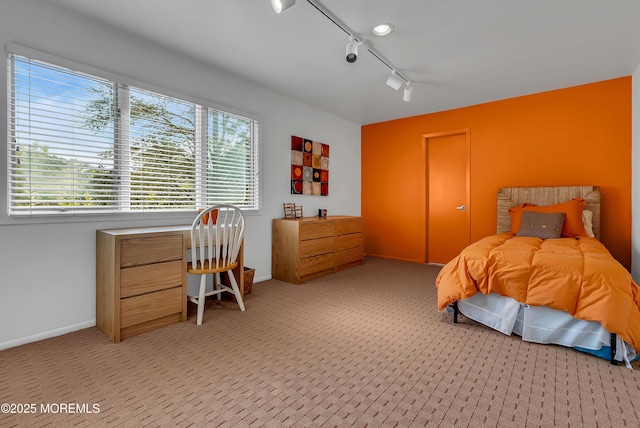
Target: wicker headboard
<point>510,196</point>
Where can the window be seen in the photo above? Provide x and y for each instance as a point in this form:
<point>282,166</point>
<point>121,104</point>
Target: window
<point>82,144</point>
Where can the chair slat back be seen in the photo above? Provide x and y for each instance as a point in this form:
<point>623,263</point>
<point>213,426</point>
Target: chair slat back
<point>216,236</point>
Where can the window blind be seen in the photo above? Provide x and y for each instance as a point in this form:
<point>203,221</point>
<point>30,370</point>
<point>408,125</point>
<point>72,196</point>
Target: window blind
<point>232,156</point>
<point>56,163</point>
<point>161,146</point>
<point>81,144</point>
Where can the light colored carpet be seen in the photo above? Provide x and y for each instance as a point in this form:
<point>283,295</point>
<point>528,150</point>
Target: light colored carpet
<point>364,347</point>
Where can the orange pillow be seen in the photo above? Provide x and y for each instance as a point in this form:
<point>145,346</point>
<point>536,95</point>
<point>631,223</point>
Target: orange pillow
<point>573,224</point>
<point>515,213</point>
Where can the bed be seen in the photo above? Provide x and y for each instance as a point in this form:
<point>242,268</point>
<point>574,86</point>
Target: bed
<point>546,277</point>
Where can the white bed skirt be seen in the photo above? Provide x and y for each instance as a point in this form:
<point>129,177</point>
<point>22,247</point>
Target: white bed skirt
<point>541,324</point>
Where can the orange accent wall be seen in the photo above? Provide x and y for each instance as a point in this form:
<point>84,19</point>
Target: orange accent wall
<point>573,136</point>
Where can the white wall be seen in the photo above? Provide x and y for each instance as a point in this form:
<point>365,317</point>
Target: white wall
<point>635,174</point>
<point>47,271</point>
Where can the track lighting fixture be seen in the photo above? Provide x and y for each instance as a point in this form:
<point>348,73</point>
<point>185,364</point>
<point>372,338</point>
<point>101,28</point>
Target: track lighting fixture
<point>406,97</point>
<point>352,50</point>
<point>394,81</point>
<point>280,6</point>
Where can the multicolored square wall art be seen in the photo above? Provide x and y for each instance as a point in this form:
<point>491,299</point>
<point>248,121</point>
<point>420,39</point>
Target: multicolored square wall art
<point>309,167</point>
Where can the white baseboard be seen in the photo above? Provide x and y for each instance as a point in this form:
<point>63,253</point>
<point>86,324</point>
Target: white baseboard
<point>47,334</point>
<point>70,328</point>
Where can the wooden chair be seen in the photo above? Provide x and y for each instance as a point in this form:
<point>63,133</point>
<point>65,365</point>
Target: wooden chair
<point>216,236</point>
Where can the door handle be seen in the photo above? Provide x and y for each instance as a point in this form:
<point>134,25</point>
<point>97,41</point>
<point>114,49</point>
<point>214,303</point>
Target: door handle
<point>460,207</point>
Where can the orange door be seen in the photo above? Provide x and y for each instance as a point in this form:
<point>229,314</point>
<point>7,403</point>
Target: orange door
<point>448,211</point>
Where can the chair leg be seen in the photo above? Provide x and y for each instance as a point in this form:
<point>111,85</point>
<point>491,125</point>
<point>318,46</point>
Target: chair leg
<point>236,290</point>
<point>201,298</point>
<point>216,285</point>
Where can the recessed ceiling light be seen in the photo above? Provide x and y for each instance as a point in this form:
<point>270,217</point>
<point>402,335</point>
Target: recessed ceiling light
<point>382,30</point>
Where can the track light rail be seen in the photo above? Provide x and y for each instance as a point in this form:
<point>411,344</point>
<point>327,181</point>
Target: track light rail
<point>395,80</point>
<point>338,23</point>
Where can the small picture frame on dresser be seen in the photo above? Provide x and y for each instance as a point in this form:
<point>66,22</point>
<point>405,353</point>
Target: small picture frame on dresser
<point>322,213</point>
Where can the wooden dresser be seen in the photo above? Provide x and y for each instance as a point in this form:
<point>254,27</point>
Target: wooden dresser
<point>310,247</point>
<point>140,280</point>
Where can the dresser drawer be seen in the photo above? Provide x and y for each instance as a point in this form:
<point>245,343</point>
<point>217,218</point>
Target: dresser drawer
<point>135,251</point>
<point>349,256</point>
<point>146,279</point>
<point>348,241</point>
<point>147,307</point>
<point>316,229</point>
<point>314,264</point>
<point>314,247</point>
<point>349,226</point>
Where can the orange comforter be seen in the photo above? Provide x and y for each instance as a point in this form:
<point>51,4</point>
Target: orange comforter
<point>576,275</point>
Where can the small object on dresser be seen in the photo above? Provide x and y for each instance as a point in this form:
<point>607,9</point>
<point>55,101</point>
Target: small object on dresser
<point>289,210</point>
<point>292,211</point>
<point>322,213</point>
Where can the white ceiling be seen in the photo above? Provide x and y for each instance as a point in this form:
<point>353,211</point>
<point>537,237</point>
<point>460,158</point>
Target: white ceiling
<point>457,52</point>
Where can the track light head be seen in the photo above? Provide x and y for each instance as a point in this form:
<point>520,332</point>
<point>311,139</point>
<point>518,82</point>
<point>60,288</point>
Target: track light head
<point>280,6</point>
<point>352,51</point>
<point>408,89</point>
<point>394,81</point>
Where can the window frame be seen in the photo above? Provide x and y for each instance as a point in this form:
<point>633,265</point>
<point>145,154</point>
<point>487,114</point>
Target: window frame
<point>120,80</point>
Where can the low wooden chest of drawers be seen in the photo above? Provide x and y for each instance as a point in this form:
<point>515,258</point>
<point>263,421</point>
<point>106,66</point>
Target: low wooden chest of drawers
<point>140,280</point>
<point>310,247</point>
